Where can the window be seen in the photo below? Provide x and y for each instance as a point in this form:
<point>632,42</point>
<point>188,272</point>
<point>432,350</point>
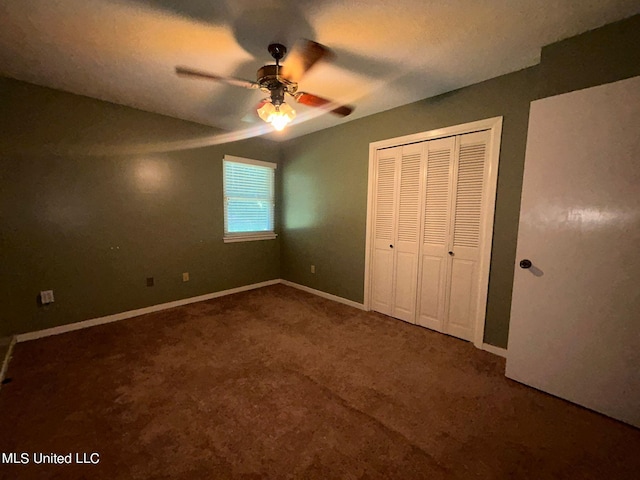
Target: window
<point>248,199</point>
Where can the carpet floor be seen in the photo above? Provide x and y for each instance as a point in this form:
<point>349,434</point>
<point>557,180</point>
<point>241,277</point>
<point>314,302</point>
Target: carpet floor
<point>276,383</point>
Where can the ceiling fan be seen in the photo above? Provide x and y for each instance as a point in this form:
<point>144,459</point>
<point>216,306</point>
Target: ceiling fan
<point>278,80</point>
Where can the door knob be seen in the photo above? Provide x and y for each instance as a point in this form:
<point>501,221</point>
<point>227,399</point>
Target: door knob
<point>390,246</point>
<point>451,253</point>
<point>525,263</point>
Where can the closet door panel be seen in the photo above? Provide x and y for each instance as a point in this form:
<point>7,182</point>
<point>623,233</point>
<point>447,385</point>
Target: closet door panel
<point>405,291</point>
<point>435,233</point>
<point>466,219</point>
<point>461,299</point>
<point>384,229</point>
<point>383,279</point>
<point>431,301</point>
<point>408,230</point>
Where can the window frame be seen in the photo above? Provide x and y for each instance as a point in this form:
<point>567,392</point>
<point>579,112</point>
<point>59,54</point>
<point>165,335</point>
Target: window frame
<point>232,237</point>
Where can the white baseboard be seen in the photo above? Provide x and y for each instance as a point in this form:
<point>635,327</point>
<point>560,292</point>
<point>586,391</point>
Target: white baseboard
<point>24,337</point>
<point>7,357</point>
<point>322,294</point>
<point>495,350</point>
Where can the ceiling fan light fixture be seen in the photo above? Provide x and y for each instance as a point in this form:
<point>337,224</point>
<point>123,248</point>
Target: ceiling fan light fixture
<point>279,116</point>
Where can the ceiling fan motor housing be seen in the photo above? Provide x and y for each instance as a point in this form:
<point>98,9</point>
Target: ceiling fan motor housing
<point>270,81</point>
<point>269,77</point>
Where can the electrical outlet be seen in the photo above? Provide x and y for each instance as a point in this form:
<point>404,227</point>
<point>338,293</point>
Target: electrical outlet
<point>185,277</point>
<point>149,281</point>
<point>313,269</point>
<point>46,296</point>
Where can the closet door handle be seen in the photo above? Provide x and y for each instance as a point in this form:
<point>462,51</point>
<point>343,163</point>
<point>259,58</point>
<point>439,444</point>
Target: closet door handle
<point>390,246</point>
<point>451,253</point>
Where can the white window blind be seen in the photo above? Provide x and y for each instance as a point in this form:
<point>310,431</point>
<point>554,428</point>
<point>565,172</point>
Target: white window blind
<point>248,199</point>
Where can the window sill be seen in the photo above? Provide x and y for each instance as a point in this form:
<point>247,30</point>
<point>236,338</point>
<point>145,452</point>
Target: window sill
<point>249,237</point>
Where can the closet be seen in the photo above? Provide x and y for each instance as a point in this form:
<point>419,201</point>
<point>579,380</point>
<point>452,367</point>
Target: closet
<point>431,219</point>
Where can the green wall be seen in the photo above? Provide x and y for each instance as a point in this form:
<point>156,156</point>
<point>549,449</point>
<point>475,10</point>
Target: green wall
<point>82,215</point>
<point>326,172</point>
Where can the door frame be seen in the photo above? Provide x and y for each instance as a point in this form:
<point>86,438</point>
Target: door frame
<point>494,125</point>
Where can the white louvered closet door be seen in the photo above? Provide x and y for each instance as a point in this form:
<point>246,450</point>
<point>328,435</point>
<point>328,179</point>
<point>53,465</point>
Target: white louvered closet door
<point>429,200</point>
<point>387,161</point>
<point>449,273</point>
<point>407,246</point>
<point>397,227</point>
<point>465,233</point>
<point>434,258</point>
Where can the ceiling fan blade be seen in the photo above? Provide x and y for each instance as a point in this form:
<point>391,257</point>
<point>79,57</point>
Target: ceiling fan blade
<point>303,55</point>
<point>315,101</point>
<point>237,82</point>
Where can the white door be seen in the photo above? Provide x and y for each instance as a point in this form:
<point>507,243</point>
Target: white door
<point>406,245</point>
<point>575,317</point>
<point>468,199</point>
<point>434,258</point>
<point>397,226</point>
<point>456,200</point>
<point>385,192</point>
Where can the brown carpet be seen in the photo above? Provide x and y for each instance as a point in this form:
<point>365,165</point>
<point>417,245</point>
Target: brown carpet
<point>277,383</point>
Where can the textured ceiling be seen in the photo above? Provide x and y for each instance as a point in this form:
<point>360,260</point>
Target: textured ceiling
<point>387,52</point>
